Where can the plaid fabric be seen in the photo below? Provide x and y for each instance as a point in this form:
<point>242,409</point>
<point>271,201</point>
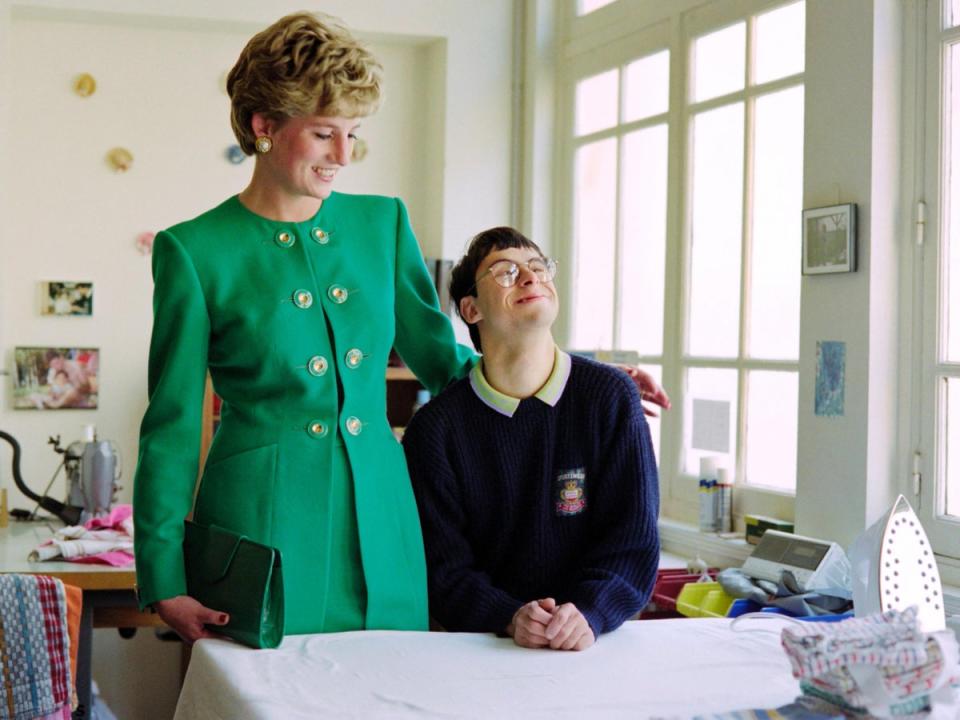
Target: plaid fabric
<point>803,709</point>
<point>905,684</point>
<point>914,709</point>
<point>904,666</point>
<point>886,639</point>
<point>34,648</point>
<point>54,603</point>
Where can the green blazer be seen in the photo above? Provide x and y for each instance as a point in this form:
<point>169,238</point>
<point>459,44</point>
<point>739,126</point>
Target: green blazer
<point>295,322</point>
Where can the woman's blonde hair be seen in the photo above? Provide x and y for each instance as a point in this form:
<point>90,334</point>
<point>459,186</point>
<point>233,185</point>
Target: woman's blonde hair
<point>301,66</point>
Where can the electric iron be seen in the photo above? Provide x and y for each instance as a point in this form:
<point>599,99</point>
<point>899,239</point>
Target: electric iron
<point>894,568</point>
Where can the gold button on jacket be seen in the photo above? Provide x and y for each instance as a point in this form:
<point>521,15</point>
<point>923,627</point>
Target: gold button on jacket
<point>223,284</point>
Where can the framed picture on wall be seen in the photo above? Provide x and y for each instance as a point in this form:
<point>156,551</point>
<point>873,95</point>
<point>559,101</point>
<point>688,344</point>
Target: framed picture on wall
<point>830,239</point>
<point>66,298</point>
<point>49,378</point>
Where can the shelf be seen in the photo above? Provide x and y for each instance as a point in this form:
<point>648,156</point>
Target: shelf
<point>400,373</point>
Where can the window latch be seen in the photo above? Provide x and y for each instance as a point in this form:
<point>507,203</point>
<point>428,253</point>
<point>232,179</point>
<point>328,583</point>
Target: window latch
<point>921,222</point>
<point>915,476</point>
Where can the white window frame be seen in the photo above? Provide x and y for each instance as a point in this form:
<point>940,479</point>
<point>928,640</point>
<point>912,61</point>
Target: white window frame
<point>613,37</point>
<point>925,451</point>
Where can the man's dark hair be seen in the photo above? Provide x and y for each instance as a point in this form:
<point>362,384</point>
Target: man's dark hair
<point>463,276</point>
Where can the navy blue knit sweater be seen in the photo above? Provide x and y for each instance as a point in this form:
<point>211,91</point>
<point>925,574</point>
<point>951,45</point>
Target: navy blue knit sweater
<point>555,502</point>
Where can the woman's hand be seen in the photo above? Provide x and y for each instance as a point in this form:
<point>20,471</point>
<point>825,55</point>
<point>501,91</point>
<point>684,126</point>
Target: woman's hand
<point>187,617</point>
<point>650,390</point>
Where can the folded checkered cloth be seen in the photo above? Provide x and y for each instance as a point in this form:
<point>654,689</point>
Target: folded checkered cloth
<point>882,664</point>
<point>34,648</point>
<point>890,639</point>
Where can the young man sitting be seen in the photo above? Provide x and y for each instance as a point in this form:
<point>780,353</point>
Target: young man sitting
<point>535,476</point>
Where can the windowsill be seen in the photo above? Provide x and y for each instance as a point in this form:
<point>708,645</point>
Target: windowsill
<point>687,541</point>
<point>950,578</point>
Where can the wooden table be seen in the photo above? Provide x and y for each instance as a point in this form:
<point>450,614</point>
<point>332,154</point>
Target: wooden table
<point>109,600</point>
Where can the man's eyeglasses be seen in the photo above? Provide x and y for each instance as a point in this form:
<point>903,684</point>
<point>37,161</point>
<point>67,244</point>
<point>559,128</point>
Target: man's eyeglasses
<point>506,272</point>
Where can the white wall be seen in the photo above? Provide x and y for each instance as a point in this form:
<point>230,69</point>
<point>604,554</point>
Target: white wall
<point>429,144</point>
<point>847,466</point>
<point>441,141</point>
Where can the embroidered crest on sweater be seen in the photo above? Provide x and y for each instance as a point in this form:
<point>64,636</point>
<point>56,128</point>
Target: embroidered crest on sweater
<point>570,492</point>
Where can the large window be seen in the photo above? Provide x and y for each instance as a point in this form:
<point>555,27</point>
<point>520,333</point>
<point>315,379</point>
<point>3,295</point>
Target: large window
<point>585,7</point>
<point>620,209</point>
<point>939,356</point>
<point>686,182</point>
<point>745,168</point>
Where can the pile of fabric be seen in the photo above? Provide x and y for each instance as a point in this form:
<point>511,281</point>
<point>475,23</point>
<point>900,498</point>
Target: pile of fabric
<point>106,540</point>
<point>878,666</point>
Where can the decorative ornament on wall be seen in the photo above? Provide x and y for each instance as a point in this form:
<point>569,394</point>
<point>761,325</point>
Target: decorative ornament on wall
<point>360,150</point>
<point>235,154</point>
<point>84,85</point>
<point>120,159</point>
<point>144,242</point>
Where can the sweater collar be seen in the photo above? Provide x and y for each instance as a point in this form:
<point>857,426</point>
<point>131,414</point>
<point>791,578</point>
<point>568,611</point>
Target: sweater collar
<point>505,404</point>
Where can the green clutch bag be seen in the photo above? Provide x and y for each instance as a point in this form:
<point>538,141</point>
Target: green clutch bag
<point>231,573</point>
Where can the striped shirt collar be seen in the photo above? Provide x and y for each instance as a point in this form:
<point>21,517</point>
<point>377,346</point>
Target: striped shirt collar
<point>505,404</point>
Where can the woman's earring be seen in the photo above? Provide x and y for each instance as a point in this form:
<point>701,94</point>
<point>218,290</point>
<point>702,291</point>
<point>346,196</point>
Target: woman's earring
<point>263,144</point>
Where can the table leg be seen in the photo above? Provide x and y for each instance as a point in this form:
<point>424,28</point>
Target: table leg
<point>84,661</point>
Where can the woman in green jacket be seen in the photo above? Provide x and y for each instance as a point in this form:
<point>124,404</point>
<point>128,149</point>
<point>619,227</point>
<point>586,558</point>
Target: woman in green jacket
<point>292,296</point>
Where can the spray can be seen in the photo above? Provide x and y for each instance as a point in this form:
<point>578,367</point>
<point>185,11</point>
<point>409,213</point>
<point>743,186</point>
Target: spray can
<point>708,494</point>
<point>724,500</point>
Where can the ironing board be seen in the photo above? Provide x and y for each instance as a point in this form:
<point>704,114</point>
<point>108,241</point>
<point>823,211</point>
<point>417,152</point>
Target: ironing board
<point>653,668</point>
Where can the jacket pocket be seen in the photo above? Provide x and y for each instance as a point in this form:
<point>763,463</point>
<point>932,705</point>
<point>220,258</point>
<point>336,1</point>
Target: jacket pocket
<point>236,493</point>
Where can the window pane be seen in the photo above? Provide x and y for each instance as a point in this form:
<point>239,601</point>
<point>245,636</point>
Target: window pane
<point>647,89</point>
<point>588,6</point>
<point>776,247</point>
<point>771,443</point>
<point>951,235</point>
<point>595,197</point>
<point>719,62</point>
<point>715,234</point>
<point>710,427</point>
<point>780,41</point>
<point>654,422</point>
<point>951,450</point>
<point>596,103</point>
<point>953,13</point>
<point>643,250</point>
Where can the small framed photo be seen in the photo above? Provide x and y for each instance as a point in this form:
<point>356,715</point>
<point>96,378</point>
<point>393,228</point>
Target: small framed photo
<point>49,378</point>
<point>66,298</point>
<point>830,239</point>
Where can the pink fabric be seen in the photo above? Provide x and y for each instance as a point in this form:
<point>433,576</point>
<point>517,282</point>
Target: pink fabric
<point>113,521</point>
<point>105,540</point>
<point>116,558</point>
<point>117,519</point>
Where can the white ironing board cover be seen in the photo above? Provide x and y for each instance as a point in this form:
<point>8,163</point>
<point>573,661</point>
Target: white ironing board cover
<point>646,669</point>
